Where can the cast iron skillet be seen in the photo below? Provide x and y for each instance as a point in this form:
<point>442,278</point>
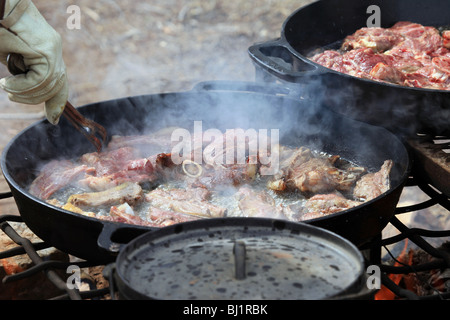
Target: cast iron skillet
<point>299,124</point>
<point>324,24</point>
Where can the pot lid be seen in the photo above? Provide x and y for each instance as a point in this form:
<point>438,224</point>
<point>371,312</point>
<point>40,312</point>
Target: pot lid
<point>239,258</point>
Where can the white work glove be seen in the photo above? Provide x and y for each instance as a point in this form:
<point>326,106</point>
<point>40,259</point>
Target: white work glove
<point>24,31</point>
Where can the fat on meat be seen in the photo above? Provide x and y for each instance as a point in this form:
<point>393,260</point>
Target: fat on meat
<point>56,175</point>
<point>130,193</point>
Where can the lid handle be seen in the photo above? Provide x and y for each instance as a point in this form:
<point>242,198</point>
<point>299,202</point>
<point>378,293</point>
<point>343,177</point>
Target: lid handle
<point>239,259</point>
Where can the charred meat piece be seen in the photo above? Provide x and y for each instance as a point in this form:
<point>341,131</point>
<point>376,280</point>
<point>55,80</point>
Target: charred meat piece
<point>130,193</point>
<point>254,203</point>
<point>191,201</point>
<point>372,185</point>
<point>324,204</point>
<point>56,175</point>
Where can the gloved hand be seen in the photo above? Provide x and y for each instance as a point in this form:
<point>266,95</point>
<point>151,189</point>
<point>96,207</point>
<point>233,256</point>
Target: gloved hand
<point>24,31</point>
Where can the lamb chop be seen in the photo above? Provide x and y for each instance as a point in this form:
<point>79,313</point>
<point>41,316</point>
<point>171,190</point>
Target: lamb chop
<point>323,204</point>
<point>126,192</point>
<point>308,174</point>
<point>319,175</point>
<point>372,185</point>
<point>288,158</point>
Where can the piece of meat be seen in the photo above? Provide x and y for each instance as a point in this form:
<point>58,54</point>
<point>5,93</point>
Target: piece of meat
<point>254,203</point>
<point>423,40</point>
<point>71,207</point>
<point>324,204</point>
<point>289,158</point>
<point>56,175</point>
<point>147,144</point>
<point>300,170</point>
<point>315,175</point>
<point>384,72</point>
<point>446,38</point>
<point>138,171</point>
<point>429,77</point>
<point>124,213</point>
<point>331,59</point>
<point>188,201</point>
<point>376,39</point>
<point>109,162</point>
<point>130,193</point>
<point>372,185</point>
<point>360,62</point>
<point>225,176</point>
<point>319,175</point>
<point>442,63</point>
<point>405,59</point>
<point>407,54</point>
<point>165,218</point>
<point>118,166</point>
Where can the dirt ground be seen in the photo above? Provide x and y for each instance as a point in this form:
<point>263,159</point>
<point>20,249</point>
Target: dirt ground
<point>126,48</point>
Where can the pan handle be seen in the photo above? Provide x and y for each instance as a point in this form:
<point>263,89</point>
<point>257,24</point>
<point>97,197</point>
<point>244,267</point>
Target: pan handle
<point>241,86</point>
<point>121,235</point>
<point>276,57</point>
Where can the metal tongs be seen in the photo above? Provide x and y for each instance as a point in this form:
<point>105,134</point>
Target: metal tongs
<point>85,126</point>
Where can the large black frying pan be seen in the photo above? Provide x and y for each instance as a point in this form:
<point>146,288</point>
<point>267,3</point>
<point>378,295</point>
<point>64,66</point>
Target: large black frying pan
<point>324,24</point>
<point>298,123</point>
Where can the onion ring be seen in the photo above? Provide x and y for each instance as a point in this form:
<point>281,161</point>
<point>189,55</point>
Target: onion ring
<point>189,162</point>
